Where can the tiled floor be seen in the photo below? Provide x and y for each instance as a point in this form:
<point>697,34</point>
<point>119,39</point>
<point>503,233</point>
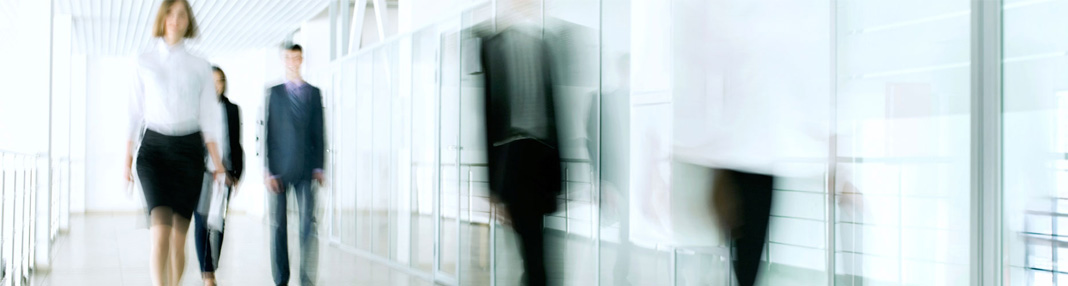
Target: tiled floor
<point>113,250</point>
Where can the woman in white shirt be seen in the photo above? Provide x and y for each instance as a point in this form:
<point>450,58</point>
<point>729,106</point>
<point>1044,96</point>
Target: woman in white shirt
<point>175,105</point>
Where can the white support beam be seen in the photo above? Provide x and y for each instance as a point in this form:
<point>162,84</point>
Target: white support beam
<point>346,18</point>
<point>356,27</point>
<point>382,17</point>
<point>333,30</point>
<point>41,249</point>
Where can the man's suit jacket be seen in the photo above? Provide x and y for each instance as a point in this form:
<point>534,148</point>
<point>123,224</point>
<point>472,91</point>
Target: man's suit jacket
<point>236,159</point>
<point>521,134</point>
<point>294,134</point>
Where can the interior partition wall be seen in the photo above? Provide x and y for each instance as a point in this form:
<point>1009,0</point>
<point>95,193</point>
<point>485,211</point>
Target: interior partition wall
<point>1035,129</point>
<point>908,154</point>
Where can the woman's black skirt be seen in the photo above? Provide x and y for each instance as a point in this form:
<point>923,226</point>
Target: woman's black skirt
<point>171,170</point>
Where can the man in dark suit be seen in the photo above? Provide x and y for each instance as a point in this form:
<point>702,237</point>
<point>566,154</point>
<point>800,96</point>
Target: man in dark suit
<point>294,157</point>
<point>521,137</point>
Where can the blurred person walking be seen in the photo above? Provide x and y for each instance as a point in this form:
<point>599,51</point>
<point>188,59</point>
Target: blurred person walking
<point>208,240</point>
<point>521,138</point>
<point>175,107</point>
<point>751,107</point>
<point>294,158</point>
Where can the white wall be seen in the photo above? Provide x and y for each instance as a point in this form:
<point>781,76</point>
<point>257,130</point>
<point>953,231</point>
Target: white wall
<point>314,37</point>
<point>106,129</point>
<point>79,123</point>
<point>25,76</point>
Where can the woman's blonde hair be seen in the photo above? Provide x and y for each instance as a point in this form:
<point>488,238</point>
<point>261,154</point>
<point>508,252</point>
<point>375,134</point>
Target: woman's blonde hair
<point>159,27</point>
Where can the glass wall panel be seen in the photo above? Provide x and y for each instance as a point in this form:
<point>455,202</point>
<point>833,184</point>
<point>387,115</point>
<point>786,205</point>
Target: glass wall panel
<point>649,136</point>
<point>612,147</point>
<point>449,149</point>
<point>382,169</point>
<point>334,125</point>
<point>474,252</point>
<point>364,149</point>
<point>400,151</point>
<point>347,155</point>
<point>425,87</point>
<point>571,30</point>
<point>893,76</point>
<point>1035,142</point>
<point>903,121</point>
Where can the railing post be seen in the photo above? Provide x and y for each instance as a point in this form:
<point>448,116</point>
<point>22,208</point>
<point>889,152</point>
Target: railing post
<point>567,198</point>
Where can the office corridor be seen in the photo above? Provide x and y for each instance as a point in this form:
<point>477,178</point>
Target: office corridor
<point>909,142</point>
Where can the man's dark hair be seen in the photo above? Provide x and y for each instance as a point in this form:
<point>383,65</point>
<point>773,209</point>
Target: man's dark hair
<point>295,48</point>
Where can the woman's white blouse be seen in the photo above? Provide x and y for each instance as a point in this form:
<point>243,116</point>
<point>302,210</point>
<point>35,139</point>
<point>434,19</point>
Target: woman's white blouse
<point>174,94</point>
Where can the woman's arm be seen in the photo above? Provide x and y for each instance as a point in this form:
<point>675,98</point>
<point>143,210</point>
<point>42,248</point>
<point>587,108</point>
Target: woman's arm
<point>211,119</point>
<point>136,120</point>
<point>213,151</point>
<point>129,160</point>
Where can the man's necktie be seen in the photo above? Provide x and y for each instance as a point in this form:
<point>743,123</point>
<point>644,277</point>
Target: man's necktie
<point>296,96</point>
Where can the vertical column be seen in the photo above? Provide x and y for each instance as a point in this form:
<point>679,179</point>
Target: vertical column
<point>333,29</point>
<point>43,21</point>
<point>61,120</point>
<point>345,25</point>
<point>78,85</point>
<point>986,192</point>
<point>831,181</point>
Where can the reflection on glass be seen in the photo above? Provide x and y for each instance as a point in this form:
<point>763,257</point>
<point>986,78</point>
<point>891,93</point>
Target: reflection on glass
<point>1035,142</point>
<point>612,146</point>
<point>903,142</point>
<point>335,126</point>
<point>412,177</point>
<point>381,145</point>
<point>424,146</point>
<point>474,256</point>
<point>364,153</point>
<point>571,30</point>
<point>400,153</point>
<point>449,125</point>
<point>347,157</point>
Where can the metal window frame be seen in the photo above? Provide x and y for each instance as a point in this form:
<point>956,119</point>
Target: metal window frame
<point>986,241</point>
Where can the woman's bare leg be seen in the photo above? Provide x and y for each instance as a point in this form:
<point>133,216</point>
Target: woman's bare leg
<point>178,235</point>
<point>161,245</point>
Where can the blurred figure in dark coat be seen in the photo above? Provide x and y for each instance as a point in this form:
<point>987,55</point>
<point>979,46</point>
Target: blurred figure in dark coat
<point>524,156</point>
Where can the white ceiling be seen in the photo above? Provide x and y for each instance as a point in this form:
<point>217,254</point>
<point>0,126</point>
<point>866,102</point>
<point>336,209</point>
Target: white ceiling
<point>122,27</point>
<point>7,13</point>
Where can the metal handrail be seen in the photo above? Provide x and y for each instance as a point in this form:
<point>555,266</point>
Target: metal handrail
<point>16,251</point>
